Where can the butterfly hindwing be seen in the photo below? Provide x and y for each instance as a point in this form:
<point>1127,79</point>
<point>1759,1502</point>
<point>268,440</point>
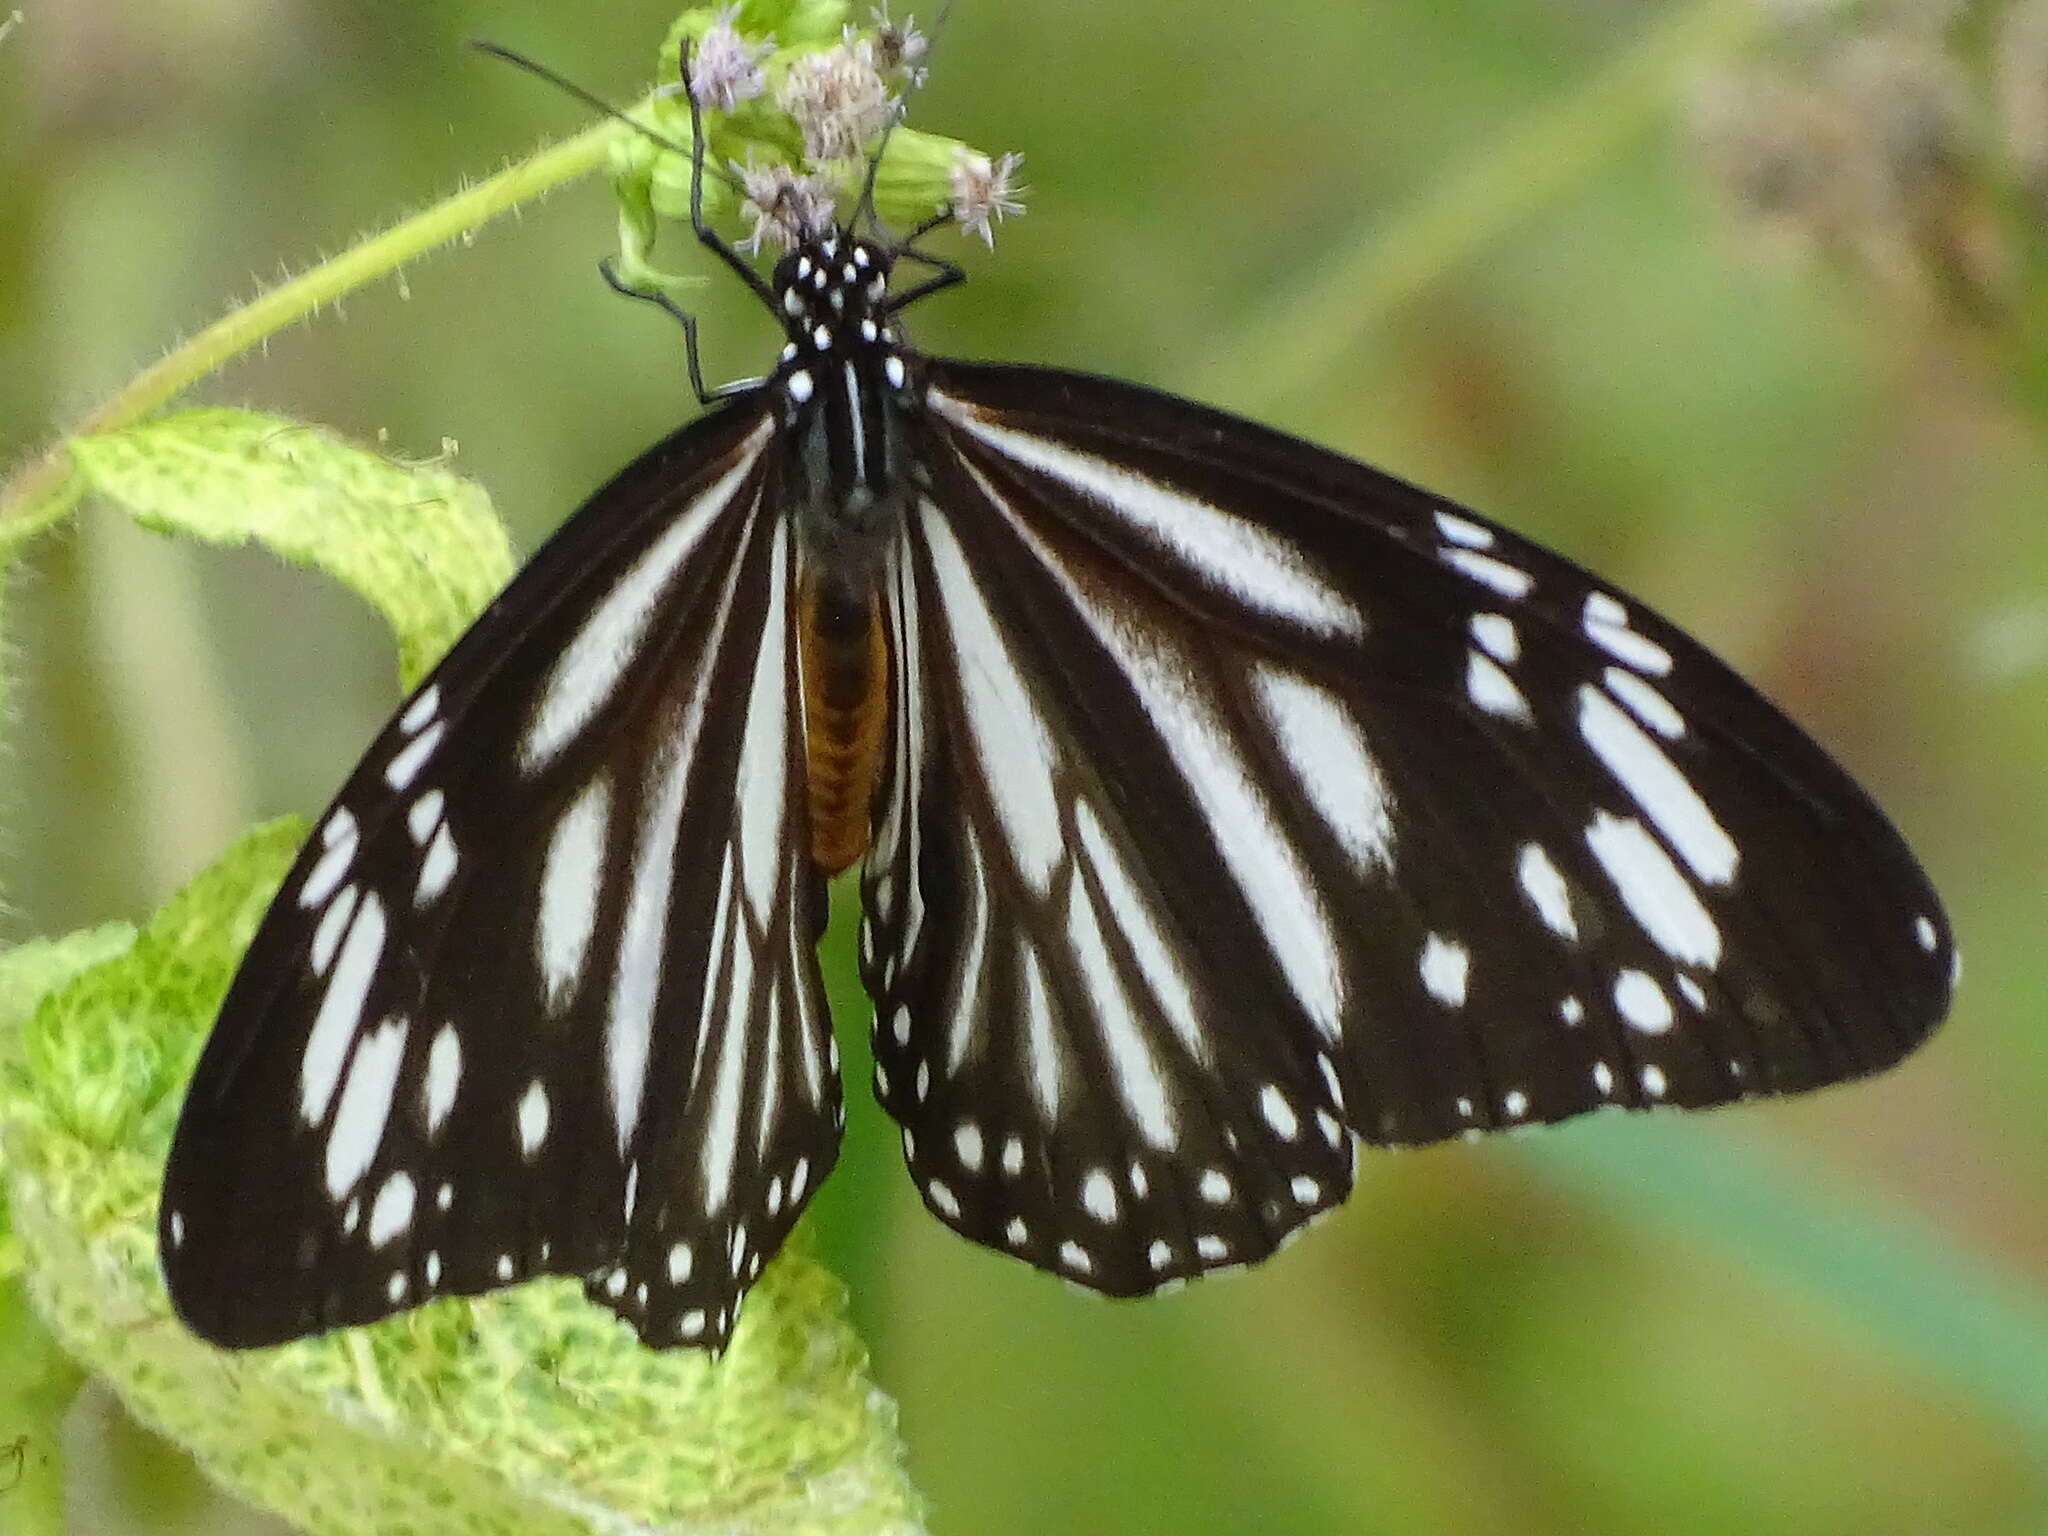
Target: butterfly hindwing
<point>540,996</point>
<point>1245,797</point>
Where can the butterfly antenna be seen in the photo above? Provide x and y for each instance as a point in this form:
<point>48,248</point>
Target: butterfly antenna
<point>599,105</point>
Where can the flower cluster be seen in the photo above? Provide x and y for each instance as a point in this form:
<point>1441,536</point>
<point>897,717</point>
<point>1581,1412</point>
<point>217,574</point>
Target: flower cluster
<point>840,98</point>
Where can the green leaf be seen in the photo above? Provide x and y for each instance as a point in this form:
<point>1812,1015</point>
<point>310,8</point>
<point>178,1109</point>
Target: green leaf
<point>419,543</point>
<point>29,972</point>
<point>527,1411</point>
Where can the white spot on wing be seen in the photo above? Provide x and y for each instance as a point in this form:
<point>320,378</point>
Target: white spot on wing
<point>405,767</point>
<point>444,1075</point>
<point>437,868</point>
<point>340,1013</point>
<point>1656,784</point>
<point>333,924</point>
<point>1278,1112</point>
<point>1655,891</point>
<point>1494,633</point>
<point>365,1105</point>
<point>1444,968</point>
<point>1493,690</point>
<point>1645,702</point>
<point>1642,1002</point>
<point>1225,551</point>
<point>424,814</point>
<point>591,665</point>
<point>967,1145</point>
<point>1008,733</point>
<point>338,838</point>
<point>571,877</point>
<point>1462,530</point>
<point>533,1118</point>
<point>391,1213</point>
<point>1042,1050</point>
<point>1135,1070</point>
<point>1509,581</point>
<point>424,706</point>
<point>1329,757</point>
<point>1606,624</point>
<point>1098,1196</point>
<point>1545,888</point>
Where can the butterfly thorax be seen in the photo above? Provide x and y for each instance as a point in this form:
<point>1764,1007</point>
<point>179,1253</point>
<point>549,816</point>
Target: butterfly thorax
<point>843,382</point>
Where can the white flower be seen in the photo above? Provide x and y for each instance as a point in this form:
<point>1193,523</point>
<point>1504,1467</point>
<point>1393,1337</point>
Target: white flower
<point>725,68</point>
<point>983,194</point>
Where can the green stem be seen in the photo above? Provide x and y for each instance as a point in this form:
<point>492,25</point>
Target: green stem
<point>1288,344</point>
<point>43,485</point>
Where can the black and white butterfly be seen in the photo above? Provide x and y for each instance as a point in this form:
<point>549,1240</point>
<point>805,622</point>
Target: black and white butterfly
<point>1222,801</point>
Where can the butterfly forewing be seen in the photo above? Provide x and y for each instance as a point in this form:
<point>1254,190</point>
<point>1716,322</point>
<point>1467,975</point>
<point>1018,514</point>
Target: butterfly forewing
<point>1245,797</point>
<point>540,997</point>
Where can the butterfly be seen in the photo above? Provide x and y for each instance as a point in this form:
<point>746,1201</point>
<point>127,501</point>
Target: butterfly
<point>1220,804</point>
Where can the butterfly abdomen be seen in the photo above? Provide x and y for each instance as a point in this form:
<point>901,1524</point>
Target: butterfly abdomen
<point>845,666</point>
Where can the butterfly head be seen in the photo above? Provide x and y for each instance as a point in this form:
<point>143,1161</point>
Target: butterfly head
<point>832,294</point>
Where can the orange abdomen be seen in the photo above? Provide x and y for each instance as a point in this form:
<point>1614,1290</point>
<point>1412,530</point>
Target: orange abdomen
<point>845,665</point>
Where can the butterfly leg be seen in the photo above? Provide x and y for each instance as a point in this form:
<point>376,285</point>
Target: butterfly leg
<point>610,272</point>
<point>946,273</point>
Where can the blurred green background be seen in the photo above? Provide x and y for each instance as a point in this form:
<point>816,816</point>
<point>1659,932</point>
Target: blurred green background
<point>1447,237</point>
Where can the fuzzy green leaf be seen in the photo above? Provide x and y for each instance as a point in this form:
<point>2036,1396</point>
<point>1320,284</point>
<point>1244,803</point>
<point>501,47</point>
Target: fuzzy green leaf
<point>419,543</point>
<point>526,1411</point>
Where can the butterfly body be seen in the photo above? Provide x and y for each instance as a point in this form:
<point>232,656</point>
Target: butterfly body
<point>1220,803</point>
